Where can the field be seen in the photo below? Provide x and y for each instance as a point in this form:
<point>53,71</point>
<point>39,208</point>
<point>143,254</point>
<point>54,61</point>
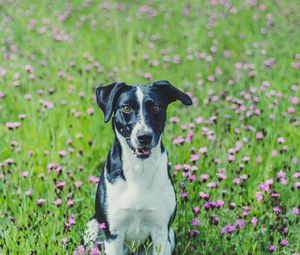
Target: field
<point>234,154</point>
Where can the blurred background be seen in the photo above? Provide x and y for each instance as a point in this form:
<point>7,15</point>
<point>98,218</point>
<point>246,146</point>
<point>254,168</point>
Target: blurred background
<point>234,154</point>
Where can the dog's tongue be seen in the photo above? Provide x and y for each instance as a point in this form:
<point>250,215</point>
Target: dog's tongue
<point>143,151</point>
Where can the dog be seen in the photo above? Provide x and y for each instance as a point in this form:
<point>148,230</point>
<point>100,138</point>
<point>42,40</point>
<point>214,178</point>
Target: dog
<point>135,199</point>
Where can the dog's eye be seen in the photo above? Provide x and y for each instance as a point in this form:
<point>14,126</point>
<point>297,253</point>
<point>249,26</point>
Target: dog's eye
<point>126,109</point>
<point>156,109</point>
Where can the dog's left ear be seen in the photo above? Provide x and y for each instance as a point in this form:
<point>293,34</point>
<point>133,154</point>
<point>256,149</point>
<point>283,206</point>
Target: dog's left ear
<point>171,93</point>
<point>107,97</point>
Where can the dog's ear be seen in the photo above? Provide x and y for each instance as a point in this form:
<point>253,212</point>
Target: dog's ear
<point>107,97</point>
<point>171,93</point>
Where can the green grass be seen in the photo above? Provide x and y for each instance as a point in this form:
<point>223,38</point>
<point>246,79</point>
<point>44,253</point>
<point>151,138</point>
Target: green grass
<point>121,43</point>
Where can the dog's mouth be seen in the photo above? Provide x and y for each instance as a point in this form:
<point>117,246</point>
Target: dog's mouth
<point>143,152</point>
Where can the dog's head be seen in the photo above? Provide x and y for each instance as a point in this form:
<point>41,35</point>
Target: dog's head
<point>139,111</point>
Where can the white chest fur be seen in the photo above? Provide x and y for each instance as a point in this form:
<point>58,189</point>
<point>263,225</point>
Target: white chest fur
<point>143,202</point>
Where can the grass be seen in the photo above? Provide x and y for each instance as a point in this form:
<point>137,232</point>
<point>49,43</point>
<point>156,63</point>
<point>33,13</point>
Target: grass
<point>58,52</point>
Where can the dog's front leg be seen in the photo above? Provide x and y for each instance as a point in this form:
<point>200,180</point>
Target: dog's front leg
<point>161,244</point>
<point>114,246</point>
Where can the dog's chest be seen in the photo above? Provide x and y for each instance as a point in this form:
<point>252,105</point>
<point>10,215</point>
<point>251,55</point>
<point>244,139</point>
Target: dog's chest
<point>145,201</point>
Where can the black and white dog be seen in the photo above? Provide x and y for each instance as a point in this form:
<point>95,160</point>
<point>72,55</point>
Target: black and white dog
<point>135,198</point>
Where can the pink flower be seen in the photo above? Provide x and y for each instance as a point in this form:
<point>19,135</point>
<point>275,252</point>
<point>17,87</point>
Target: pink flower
<point>102,225</point>
<point>27,97</point>
<point>254,221</point>
<point>60,184</point>
<point>211,78</point>
<point>259,196</point>
<point>269,182</point>
<point>197,210</point>
<point>176,59</point>
<point>219,203</point>
<point>184,194</point>
<point>231,158</point>
<point>236,180</point>
<point>78,184</point>
<point>192,177</point>
<point>148,76</point>
<point>272,248</point>
<point>28,68</point>
<point>272,116</point>
<point>65,241</point>
<point>264,186</point>
<point>259,135</point>
<point>221,176</point>
<point>93,179</point>
<point>186,167</point>
<point>90,111</point>
<point>246,158</point>
<point>204,195</point>
<point>80,250</point>
<point>199,120</point>
<point>212,185</point>
<point>227,53</point>
<point>177,167</point>
<point>228,229</point>
<point>174,119</point>
<point>244,177</point>
<point>246,210</point>
<point>22,116</point>
<point>275,194</point>
<point>12,125</point>
<point>195,222</point>
<point>95,251</point>
<point>28,192</point>
<point>54,166</point>
<point>261,7</point>
<point>284,242</point>
<point>203,150</point>
<point>70,202</point>
<point>178,140</point>
<point>24,174</point>
<point>240,223</point>
<point>281,174</point>
<point>277,210</point>
<point>189,137</point>
<point>231,205</point>
<point>258,159</point>
<point>296,184</point>
<point>283,181</point>
<point>40,201</point>
<point>62,153</point>
<point>204,177</point>
<point>58,201</point>
<point>71,220</point>
<point>295,211</point>
<point>194,157</point>
<point>291,110</point>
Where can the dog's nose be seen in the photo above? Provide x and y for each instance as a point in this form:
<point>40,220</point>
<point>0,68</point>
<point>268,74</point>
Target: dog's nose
<point>144,138</point>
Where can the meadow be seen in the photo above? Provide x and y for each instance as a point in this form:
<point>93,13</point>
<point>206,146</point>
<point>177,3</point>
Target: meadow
<point>234,154</point>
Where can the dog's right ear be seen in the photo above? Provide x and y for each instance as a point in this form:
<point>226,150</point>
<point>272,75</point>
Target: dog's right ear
<point>107,97</point>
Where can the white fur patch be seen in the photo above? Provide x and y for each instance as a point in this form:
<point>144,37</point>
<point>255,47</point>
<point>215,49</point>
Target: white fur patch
<point>143,204</point>
<point>140,124</point>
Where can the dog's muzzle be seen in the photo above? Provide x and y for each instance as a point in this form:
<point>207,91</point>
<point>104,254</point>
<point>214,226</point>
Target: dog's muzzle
<point>141,152</point>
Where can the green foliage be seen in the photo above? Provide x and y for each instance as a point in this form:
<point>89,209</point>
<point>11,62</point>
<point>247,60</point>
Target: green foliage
<point>54,53</point>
